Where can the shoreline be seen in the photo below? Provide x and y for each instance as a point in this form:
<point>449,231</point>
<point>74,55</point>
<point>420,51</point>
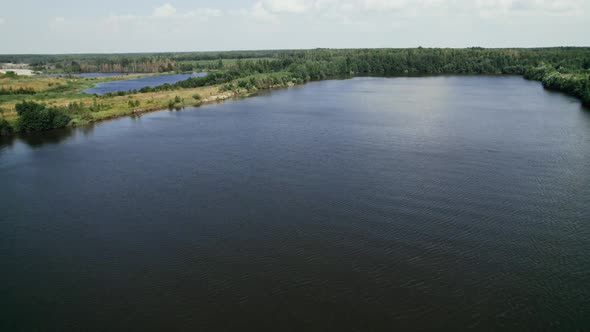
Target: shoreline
<point>212,95</point>
<point>211,99</point>
<point>220,97</point>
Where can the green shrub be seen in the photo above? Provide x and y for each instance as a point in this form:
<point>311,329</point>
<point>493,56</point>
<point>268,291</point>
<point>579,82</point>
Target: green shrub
<point>19,91</point>
<point>10,74</point>
<point>197,96</point>
<point>76,107</point>
<point>38,117</point>
<point>5,128</point>
<point>60,120</point>
<point>96,106</point>
<point>133,103</point>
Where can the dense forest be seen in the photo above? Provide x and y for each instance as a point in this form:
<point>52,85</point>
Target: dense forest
<point>132,62</point>
<point>561,69</point>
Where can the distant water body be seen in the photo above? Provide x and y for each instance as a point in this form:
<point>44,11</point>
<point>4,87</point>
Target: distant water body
<point>87,75</point>
<point>138,83</point>
<point>370,204</point>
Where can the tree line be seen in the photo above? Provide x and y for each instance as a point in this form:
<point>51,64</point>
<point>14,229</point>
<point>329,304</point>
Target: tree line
<point>562,69</point>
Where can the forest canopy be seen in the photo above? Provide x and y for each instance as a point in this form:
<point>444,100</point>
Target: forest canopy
<point>562,69</point>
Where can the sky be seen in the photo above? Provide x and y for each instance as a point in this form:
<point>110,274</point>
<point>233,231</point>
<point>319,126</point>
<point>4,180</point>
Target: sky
<point>117,26</point>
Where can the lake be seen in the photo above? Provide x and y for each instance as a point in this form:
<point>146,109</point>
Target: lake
<point>86,75</point>
<point>141,82</point>
<point>366,204</point>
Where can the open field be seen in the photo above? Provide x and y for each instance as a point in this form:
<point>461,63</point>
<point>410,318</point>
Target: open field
<point>52,91</point>
<point>57,83</point>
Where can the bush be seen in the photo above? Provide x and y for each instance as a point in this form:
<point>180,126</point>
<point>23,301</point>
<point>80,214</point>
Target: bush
<point>60,120</point>
<point>197,96</point>
<point>96,106</point>
<point>76,107</point>
<point>38,117</point>
<point>19,91</point>
<point>228,87</point>
<point>10,74</point>
<point>5,128</point>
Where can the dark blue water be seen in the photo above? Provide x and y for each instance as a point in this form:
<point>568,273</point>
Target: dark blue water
<point>369,204</point>
<point>138,83</point>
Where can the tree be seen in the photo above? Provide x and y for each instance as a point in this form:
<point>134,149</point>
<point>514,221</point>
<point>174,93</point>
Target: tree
<point>5,128</point>
<point>38,117</point>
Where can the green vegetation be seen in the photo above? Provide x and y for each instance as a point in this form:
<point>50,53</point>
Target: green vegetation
<point>261,81</point>
<point>133,63</point>
<point>574,83</point>
<point>242,73</point>
<point>37,117</point>
<point>9,74</point>
<point>19,91</point>
<point>562,69</point>
<point>133,103</point>
<point>176,102</point>
<point>5,128</point>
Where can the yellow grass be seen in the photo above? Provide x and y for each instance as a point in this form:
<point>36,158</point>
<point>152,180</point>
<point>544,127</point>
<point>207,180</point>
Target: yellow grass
<point>41,84</point>
<point>113,106</point>
<point>119,105</point>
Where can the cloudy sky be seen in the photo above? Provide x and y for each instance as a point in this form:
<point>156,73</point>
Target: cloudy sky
<point>67,26</point>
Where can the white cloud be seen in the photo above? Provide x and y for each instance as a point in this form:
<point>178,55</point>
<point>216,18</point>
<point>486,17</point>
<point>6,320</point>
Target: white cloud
<point>204,12</point>
<point>2,21</point>
<point>287,6</point>
<point>57,21</point>
<point>259,13</point>
<point>303,6</point>
<point>122,18</point>
<point>265,24</point>
<point>385,4</point>
<point>554,6</point>
<point>166,10</point>
<point>418,6</point>
<point>495,8</point>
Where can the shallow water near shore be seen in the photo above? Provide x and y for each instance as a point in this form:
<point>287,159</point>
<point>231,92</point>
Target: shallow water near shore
<point>363,204</point>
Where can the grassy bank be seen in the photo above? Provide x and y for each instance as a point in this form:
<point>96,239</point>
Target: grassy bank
<point>59,92</point>
<point>83,109</point>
